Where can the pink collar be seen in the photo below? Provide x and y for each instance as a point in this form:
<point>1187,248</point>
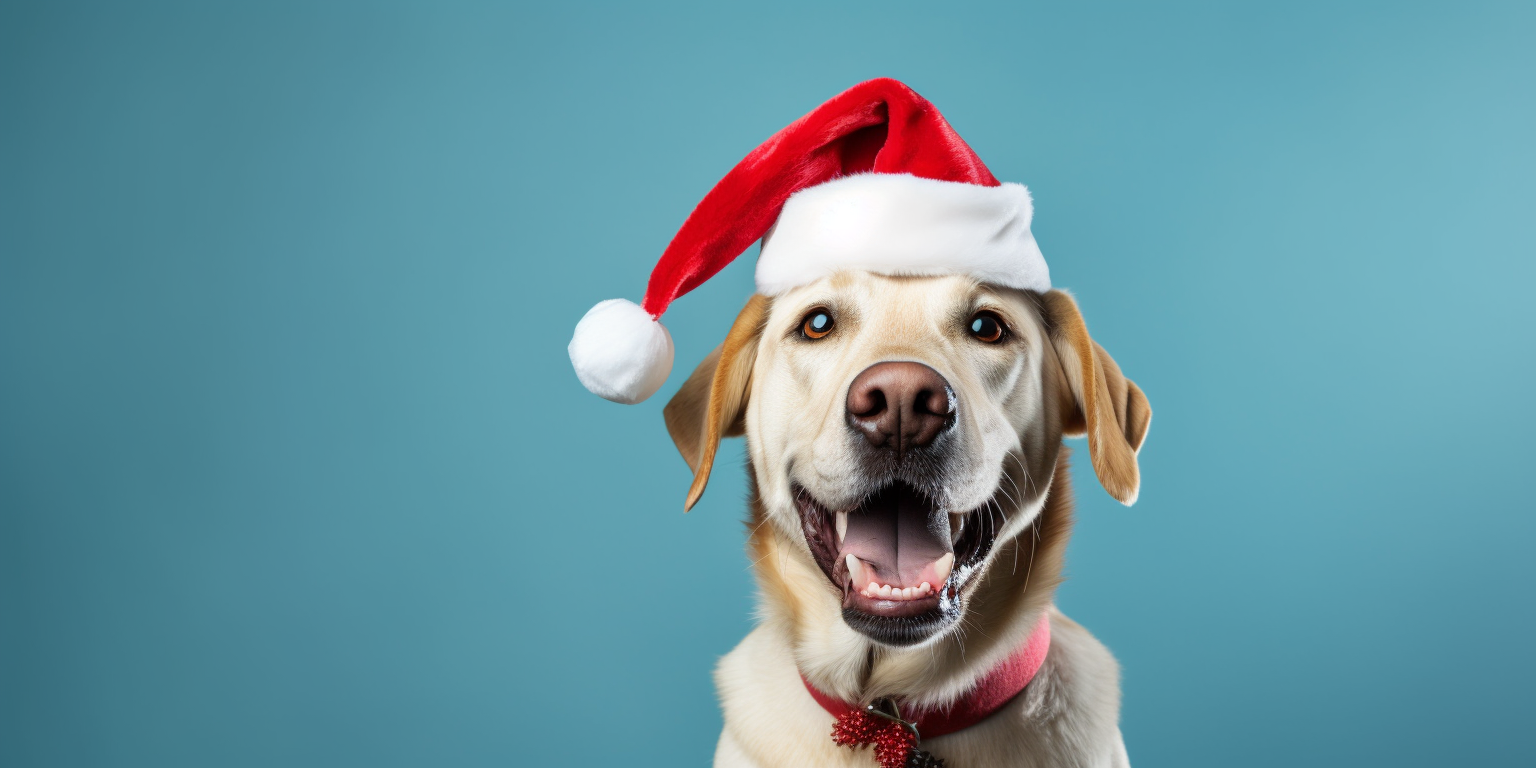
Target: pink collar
<point>995,689</point>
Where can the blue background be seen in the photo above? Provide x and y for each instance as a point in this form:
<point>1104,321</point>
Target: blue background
<point>294,471</point>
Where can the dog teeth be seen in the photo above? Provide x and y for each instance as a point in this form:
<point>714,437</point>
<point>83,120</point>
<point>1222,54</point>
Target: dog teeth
<point>956,525</point>
<point>888,592</point>
<point>943,566</point>
<point>855,569</point>
<point>842,526</point>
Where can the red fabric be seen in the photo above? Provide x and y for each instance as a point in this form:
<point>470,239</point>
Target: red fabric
<point>878,126</point>
<point>994,690</point>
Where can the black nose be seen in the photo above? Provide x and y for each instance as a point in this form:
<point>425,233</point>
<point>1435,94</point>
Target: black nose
<point>900,406</point>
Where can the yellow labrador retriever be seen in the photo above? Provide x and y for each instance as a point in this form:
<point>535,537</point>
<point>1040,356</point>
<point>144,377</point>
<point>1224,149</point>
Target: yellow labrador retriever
<point>910,511</point>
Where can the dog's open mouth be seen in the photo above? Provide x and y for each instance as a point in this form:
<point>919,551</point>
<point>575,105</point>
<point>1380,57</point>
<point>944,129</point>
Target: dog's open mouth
<point>899,560</point>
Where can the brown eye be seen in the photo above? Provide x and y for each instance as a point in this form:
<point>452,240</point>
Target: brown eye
<point>986,327</point>
<point>817,323</point>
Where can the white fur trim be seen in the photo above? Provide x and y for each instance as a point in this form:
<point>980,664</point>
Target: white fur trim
<point>898,224</point>
<point>620,352</point>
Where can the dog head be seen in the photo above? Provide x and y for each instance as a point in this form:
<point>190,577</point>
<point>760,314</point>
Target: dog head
<point>900,428</point>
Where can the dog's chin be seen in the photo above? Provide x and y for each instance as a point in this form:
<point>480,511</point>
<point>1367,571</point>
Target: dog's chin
<point>901,564</point>
<point>903,631</point>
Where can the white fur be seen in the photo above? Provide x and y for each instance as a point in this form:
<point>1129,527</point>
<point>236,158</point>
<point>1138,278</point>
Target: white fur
<point>898,224</point>
<point>620,352</point>
<point>1067,716</point>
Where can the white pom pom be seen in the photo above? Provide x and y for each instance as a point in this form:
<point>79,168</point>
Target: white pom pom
<point>620,352</point>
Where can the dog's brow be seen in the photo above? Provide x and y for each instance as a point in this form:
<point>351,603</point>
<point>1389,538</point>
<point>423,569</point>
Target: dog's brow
<point>842,309</point>
<point>988,300</point>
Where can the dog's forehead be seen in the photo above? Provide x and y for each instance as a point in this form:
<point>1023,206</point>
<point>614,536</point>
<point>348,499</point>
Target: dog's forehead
<point>872,294</point>
<point>887,302</point>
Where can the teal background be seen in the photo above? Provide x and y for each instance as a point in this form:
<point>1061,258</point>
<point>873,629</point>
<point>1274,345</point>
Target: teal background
<point>294,470</point>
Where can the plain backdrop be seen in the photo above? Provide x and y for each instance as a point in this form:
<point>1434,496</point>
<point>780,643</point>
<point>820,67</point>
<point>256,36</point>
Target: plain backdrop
<point>294,470</point>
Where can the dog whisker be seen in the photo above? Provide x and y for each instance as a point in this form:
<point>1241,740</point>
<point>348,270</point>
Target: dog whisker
<point>1034,541</point>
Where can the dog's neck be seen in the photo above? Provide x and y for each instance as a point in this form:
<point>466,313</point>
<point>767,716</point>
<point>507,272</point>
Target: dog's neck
<point>1002,610</point>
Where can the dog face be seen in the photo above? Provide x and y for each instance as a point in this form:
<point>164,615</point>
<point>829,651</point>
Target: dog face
<point>900,427</point>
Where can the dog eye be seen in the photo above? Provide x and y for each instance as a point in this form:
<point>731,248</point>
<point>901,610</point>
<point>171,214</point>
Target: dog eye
<point>987,327</point>
<point>817,323</point>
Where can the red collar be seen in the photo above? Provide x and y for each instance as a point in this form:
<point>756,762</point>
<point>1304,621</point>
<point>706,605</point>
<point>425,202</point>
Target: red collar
<point>995,689</point>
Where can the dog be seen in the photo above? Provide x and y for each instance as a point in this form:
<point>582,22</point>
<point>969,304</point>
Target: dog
<point>909,513</point>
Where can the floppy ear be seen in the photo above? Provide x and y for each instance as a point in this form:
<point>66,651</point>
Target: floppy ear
<point>712,403</point>
<point>1106,405</point>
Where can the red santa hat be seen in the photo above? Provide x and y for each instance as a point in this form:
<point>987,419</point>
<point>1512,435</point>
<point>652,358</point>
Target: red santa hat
<point>874,180</point>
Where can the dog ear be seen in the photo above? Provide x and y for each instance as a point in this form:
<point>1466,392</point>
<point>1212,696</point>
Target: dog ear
<point>1106,405</point>
<point>712,403</point>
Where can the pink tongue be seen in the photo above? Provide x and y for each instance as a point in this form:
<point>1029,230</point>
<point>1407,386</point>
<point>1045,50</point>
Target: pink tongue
<point>896,535</point>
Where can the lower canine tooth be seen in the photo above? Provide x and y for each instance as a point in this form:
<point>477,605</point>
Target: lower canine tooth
<point>855,569</point>
<point>944,565</point>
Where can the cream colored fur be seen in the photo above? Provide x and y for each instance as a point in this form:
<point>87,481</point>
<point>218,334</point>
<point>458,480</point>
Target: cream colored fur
<point>1017,400</point>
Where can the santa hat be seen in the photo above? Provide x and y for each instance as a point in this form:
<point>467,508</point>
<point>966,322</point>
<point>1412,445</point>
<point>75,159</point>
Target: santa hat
<point>874,180</point>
